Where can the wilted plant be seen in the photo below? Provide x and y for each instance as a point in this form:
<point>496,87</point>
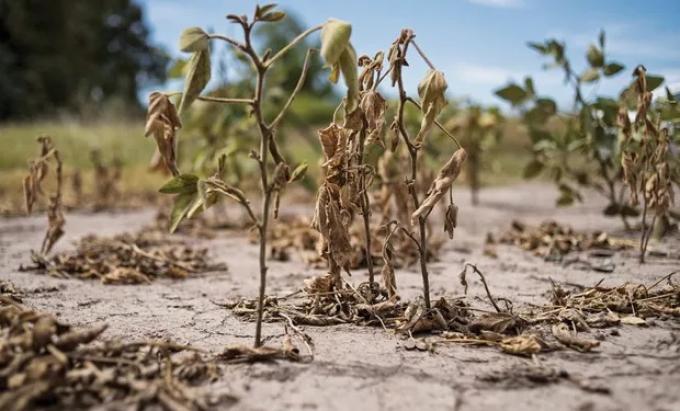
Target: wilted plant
<point>38,171</point>
<point>431,91</point>
<point>645,158</point>
<point>478,129</point>
<point>560,142</point>
<point>347,177</point>
<point>194,194</point>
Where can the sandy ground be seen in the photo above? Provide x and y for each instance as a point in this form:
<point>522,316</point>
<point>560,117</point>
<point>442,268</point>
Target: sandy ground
<point>365,368</point>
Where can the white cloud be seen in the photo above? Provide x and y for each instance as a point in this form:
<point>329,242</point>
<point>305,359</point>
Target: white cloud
<point>505,4</point>
<point>481,74</point>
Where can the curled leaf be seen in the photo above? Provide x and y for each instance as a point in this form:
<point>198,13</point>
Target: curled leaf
<point>335,36</point>
<point>451,219</point>
<point>445,178</point>
<point>348,68</point>
<point>432,100</point>
<point>162,122</point>
<point>373,106</point>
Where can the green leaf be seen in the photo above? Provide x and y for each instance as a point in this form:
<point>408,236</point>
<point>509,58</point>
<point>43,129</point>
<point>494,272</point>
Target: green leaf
<point>197,78</point>
<point>532,169</point>
<point>612,68</point>
<point>590,75</point>
<point>529,86</point>
<point>595,56</point>
<point>298,173</point>
<point>538,47</point>
<point>183,183</point>
<point>671,98</point>
<point>180,208</point>
<point>653,81</point>
<point>335,36</point>
<point>194,39</point>
<point>601,39</point>
<point>273,16</point>
<point>512,93</point>
<point>262,10</point>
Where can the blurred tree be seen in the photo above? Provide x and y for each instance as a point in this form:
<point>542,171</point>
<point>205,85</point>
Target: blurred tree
<point>66,55</point>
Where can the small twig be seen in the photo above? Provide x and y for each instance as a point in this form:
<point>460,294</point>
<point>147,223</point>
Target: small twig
<point>486,287</point>
<point>292,44</point>
<point>298,87</point>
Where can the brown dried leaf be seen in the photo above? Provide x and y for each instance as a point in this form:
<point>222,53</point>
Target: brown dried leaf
<point>162,122</point>
<point>564,335</point>
<point>445,178</point>
<point>373,106</point>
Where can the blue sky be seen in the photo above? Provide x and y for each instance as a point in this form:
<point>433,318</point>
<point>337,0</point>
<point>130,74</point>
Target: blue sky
<point>479,44</point>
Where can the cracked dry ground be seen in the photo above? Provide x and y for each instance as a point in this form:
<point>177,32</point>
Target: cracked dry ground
<point>365,368</point>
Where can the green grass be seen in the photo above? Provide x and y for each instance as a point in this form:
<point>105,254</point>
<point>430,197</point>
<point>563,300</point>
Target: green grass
<point>125,140</point>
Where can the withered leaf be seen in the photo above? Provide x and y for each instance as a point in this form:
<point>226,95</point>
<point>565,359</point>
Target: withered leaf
<point>373,106</point>
<point>564,335</point>
<point>162,122</point>
<point>445,178</point>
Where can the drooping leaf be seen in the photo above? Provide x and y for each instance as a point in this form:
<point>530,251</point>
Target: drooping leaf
<point>180,209</point>
<point>298,173</point>
<point>183,183</point>
<point>335,36</point>
<point>348,67</point>
<point>197,78</point>
<point>194,39</point>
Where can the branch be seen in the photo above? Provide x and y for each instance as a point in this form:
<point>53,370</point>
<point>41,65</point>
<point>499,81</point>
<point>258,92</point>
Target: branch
<point>292,44</point>
<point>427,61</point>
<point>229,40</point>
<point>298,87</point>
<point>226,100</point>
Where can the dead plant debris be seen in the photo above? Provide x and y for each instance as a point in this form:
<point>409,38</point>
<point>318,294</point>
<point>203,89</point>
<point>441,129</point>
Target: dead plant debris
<point>566,321</point>
<point>137,258</point>
<point>552,240</point>
<point>46,363</point>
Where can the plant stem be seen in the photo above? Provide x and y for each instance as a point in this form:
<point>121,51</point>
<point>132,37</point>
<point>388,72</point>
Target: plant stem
<point>365,205</point>
<point>413,153</point>
<point>643,243</point>
<point>292,44</point>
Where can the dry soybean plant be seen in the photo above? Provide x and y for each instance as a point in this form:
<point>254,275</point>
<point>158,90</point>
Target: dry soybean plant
<point>33,188</point>
<point>431,91</point>
<point>194,194</point>
<point>645,159</point>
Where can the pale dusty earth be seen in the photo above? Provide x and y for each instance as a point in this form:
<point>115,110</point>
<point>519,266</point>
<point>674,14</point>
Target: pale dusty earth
<point>365,368</point>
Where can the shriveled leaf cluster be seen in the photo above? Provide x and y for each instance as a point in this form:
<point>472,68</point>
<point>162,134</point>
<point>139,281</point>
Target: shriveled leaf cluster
<point>128,259</point>
<point>45,362</point>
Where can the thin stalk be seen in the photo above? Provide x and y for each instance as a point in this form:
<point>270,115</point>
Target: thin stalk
<point>365,205</point>
<point>292,44</point>
<point>265,136</point>
<point>413,153</point>
<point>643,243</point>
